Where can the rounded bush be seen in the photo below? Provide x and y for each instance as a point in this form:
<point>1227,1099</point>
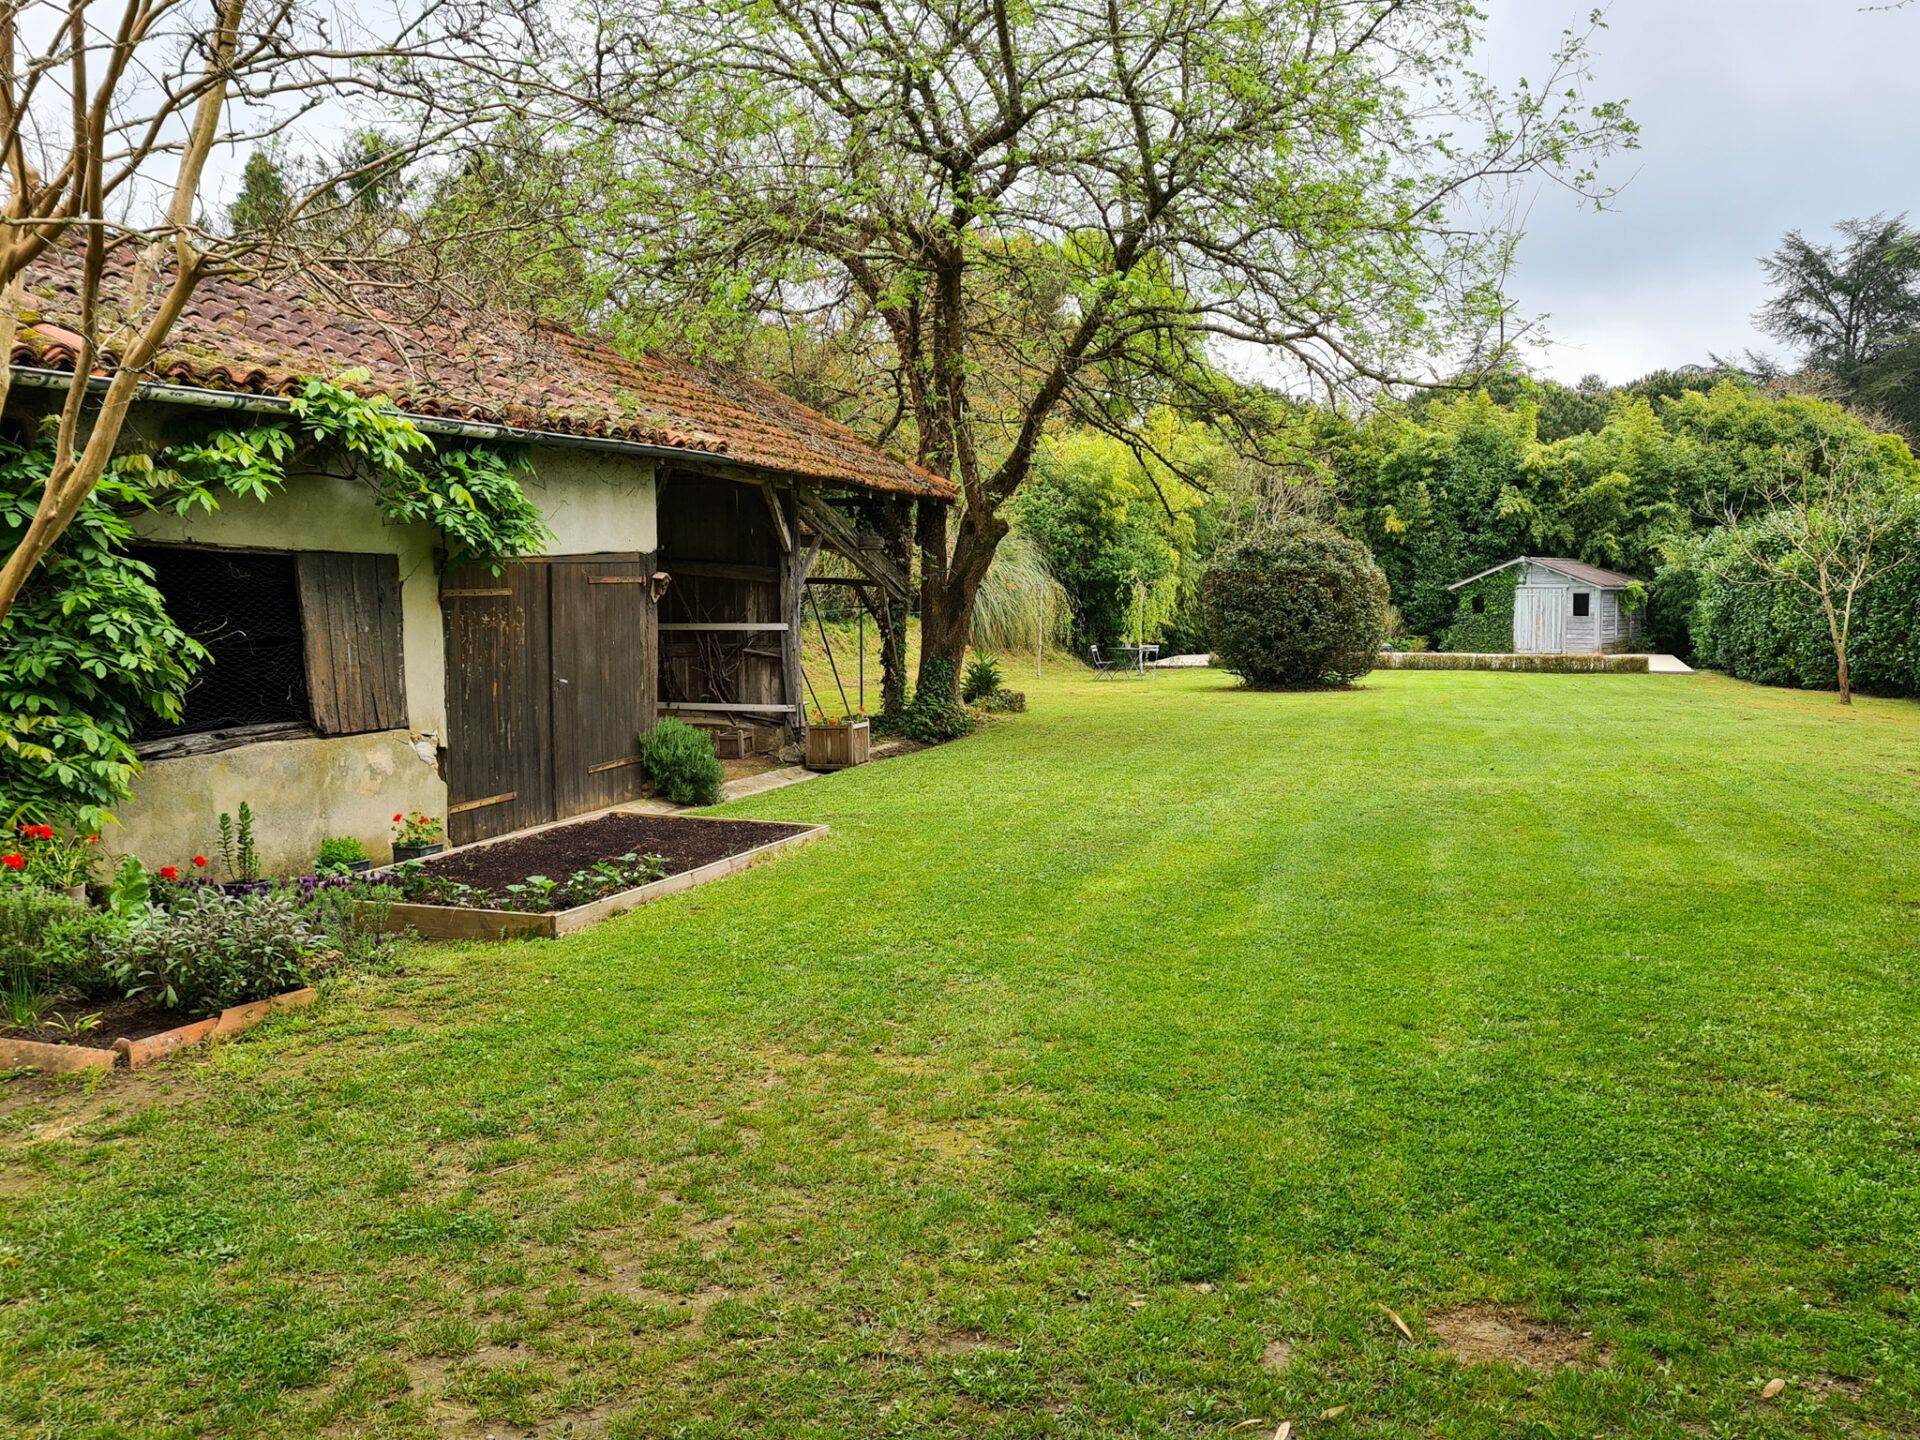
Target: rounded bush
<point>1298,605</point>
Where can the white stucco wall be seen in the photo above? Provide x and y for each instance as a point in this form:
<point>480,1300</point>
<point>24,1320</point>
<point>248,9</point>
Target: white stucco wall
<point>306,789</point>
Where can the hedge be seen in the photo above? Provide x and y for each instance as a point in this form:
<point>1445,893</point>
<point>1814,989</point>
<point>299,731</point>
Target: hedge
<point>1776,634</point>
<point>1528,664</point>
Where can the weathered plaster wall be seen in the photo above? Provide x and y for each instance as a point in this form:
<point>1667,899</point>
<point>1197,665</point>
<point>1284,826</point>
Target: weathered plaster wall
<point>304,790</point>
<point>301,792</point>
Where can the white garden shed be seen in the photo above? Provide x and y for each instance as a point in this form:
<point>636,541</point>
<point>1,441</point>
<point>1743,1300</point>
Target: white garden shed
<point>1561,607</point>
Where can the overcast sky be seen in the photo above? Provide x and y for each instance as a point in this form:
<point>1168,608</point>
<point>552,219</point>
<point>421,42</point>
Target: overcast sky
<point>1757,117</point>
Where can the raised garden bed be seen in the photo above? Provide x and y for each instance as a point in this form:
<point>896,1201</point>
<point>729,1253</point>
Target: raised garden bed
<point>690,849</point>
<point>129,1032</point>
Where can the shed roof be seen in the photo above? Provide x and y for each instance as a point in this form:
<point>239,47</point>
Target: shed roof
<point>1575,569</point>
<point>443,360</point>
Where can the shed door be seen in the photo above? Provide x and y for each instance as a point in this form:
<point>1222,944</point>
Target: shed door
<point>499,701</point>
<point>1539,620</point>
<point>550,669</point>
<point>604,659</point>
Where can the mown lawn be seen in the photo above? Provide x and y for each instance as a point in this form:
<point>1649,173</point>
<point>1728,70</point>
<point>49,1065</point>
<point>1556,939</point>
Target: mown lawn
<point>1162,1032</point>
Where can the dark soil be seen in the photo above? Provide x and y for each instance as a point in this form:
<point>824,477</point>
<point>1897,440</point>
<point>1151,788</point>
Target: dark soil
<point>557,853</point>
<point>119,1020</point>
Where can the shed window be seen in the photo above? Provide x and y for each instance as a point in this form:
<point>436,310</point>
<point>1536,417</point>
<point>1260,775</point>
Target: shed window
<point>1582,603</point>
<point>298,641</point>
<point>1479,604</point>
<point>244,607</point>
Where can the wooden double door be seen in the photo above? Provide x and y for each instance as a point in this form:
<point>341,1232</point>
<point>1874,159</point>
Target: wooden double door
<point>552,669</point>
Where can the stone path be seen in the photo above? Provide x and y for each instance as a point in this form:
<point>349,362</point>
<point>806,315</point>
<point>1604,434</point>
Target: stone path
<point>1667,665</point>
<point>1181,662</point>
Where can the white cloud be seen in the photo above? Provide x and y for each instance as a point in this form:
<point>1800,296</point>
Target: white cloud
<point>1757,117</point>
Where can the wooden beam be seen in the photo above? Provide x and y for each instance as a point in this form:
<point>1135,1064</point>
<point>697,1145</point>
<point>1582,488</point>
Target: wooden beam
<point>733,625</point>
<point>767,573</point>
<point>774,507</point>
<point>846,541</point>
<point>722,705</point>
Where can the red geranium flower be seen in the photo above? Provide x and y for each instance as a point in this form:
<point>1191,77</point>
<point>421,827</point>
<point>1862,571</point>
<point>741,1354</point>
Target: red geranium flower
<point>15,861</point>
<point>201,861</point>
<point>169,872</point>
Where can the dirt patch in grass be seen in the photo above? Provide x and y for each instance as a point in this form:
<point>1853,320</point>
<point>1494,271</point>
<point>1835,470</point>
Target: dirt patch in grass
<point>1824,1383</point>
<point>559,852</point>
<point>1277,1356</point>
<point>1479,1334</point>
<point>963,1342</point>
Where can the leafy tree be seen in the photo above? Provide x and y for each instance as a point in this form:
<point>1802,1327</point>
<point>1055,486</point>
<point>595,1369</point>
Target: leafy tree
<point>1051,210</point>
<point>1107,532</point>
<point>265,201</point>
<point>1852,309</point>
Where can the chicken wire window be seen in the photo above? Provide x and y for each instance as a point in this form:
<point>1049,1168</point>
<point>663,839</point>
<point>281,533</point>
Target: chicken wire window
<point>244,606</point>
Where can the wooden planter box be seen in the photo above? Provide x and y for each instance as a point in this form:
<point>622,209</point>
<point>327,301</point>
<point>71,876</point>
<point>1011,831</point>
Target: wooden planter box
<point>835,747</point>
<point>459,922</point>
<point>66,1059</point>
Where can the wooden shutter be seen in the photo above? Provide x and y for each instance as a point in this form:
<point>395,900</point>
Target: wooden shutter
<point>350,613</point>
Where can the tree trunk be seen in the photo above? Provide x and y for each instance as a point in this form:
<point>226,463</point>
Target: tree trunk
<point>1837,632</point>
<point>950,583</point>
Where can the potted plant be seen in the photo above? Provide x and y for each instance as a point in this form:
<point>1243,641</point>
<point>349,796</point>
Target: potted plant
<point>834,744</point>
<point>342,855</point>
<point>416,836</point>
<point>45,857</point>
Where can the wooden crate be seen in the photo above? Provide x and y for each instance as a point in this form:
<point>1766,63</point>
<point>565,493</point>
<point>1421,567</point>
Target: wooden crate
<point>835,747</point>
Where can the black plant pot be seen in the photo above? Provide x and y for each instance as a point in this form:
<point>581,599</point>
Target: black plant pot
<point>404,853</point>
<point>359,867</point>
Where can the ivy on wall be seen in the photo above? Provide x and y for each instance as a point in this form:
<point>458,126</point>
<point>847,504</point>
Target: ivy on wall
<point>1491,631</point>
<point>89,652</point>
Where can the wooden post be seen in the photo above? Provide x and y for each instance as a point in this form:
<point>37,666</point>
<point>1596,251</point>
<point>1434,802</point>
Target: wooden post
<point>796,563</point>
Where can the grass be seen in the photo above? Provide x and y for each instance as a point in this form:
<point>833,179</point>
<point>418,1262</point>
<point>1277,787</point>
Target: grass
<point>1087,1059</point>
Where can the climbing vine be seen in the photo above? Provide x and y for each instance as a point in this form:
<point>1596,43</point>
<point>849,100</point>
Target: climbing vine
<point>89,653</point>
<point>1491,631</point>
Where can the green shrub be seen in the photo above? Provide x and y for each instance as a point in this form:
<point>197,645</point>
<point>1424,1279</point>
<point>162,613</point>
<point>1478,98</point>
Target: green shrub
<point>681,761</point>
<point>983,678</point>
<point>1300,604</point>
<point>338,852</point>
<point>933,715</point>
<point>1007,702</point>
<point>213,950</point>
<point>52,945</point>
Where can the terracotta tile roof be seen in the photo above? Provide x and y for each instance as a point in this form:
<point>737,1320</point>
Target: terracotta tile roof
<point>240,334</point>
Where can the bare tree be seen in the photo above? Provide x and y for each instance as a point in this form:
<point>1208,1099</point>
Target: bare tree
<point>1822,526</point>
<point>109,119</point>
